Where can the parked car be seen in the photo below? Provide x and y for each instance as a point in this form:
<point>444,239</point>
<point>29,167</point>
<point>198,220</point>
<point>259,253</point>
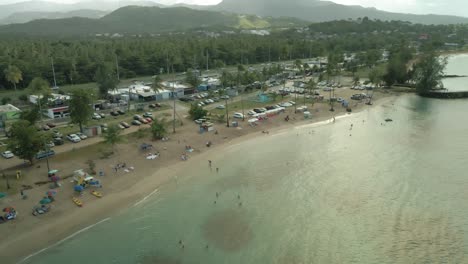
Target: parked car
<point>7,154</point>
<point>58,141</point>
<point>225,97</point>
<point>121,112</point>
<point>149,119</point>
<point>258,111</point>
<point>96,116</point>
<point>56,134</point>
<point>220,107</point>
<point>143,120</point>
<point>148,114</point>
<point>51,125</point>
<point>238,115</point>
<point>45,127</point>
<point>136,117</point>
<point>251,113</point>
<point>200,121</point>
<point>136,123</point>
<point>356,96</point>
<point>339,99</point>
<point>102,115</point>
<point>44,154</point>
<point>114,113</point>
<point>156,105</point>
<point>104,127</point>
<point>124,124</point>
<point>74,138</point>
<point>292,102</point>
<point>81,136</point>
<point>285,104</point>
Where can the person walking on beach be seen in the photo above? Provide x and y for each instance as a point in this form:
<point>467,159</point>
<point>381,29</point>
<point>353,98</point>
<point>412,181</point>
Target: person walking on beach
<point>209,163</point>
<point>217,170</point>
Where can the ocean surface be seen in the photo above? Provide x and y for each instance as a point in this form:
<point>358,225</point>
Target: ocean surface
<point>457,65</point>
<point>360,190</point>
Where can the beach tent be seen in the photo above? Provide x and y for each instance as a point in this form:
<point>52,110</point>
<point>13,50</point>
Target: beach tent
<point>45,201</point>
<point>2,195</point>
<point>78,188</point>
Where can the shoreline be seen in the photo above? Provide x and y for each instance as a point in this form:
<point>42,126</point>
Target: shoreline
<point>20,248</point>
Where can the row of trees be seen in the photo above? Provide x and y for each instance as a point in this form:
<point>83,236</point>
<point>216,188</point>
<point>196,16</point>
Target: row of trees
<point>87,60</point>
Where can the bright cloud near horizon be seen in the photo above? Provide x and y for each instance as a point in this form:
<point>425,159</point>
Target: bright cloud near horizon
<point>449,7</point>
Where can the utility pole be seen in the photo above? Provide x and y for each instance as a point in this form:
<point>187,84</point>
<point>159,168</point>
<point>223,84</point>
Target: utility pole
<point>269,54</point>
<point>174,100</point>
<point>53,72</point>
<point>117,67</point>
<point>207,59</point>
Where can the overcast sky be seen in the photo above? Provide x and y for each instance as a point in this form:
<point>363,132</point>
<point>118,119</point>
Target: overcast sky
<point>453,7</point>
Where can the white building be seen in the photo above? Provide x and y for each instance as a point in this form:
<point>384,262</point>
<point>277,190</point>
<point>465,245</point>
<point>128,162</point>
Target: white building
<point>57,105</point>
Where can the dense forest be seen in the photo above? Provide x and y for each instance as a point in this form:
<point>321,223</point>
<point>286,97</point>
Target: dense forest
<point>77,60</point>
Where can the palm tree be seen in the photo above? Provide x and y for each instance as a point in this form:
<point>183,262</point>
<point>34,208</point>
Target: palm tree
<point>13,74</point>
<point>158,128</point>
<point>41,89</point>
<point>156,86</point>
<point>112,136</point>
<point>311,85</point>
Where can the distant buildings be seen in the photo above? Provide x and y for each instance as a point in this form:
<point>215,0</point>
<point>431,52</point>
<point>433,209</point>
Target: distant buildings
<point>57,106</point>
<point>9,112</point>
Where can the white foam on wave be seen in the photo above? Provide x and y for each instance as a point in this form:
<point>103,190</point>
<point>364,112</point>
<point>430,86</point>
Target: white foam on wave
<point>145,198</point>
<point>65,239</point>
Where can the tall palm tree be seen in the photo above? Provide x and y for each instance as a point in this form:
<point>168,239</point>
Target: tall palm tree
<point>13,74</point>
<point>41,89</point>
<point>156,86</point>
<point>310,86</point>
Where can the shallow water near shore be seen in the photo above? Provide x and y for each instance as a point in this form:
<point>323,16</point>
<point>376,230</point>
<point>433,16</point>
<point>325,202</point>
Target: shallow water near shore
<point>360,190</point>
<point>457,65</point>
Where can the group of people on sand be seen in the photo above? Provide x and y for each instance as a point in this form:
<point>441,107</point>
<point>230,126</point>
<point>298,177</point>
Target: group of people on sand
<point>184,157</point>
<point>120,166</point>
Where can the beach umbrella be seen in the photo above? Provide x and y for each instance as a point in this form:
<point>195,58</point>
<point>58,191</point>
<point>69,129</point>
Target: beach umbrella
<point>51,193</point>
<point>45,201</point>
<point>53,171</point>
<point>8,209</point>
<point>78,188</point>
<point>2,195</point>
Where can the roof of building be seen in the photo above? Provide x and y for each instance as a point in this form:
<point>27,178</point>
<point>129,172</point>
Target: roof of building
<point>8,108</point>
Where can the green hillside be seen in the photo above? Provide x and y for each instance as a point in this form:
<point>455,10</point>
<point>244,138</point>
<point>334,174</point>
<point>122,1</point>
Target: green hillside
<point>141,20</point>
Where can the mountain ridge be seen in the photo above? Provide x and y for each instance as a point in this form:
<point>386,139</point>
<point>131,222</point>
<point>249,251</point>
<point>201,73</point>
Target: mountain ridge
<point>321,11</point>
<point>147,20</point>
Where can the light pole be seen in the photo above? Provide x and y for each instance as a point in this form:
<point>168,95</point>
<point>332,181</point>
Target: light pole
<point>227,112</point>
<point>43,138</point>
<point>174,102</point>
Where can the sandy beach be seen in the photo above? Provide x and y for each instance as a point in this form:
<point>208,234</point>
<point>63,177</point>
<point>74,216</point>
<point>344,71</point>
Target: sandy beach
<point>125,189</point>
